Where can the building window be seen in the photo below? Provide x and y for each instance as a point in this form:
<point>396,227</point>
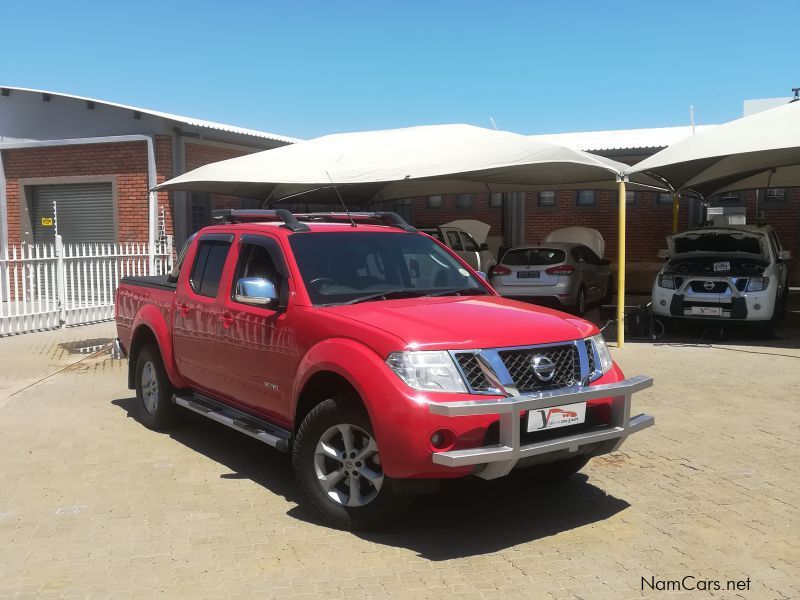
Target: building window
<point>729,198</point>
<point>495,200</point>
<point>586,198</point>
<point>404,208</point>
<point>200,208</point>
<point>630,198</point>
<point>464,201</point>
<point>434,202</point>
<point>775,195</point>
<point>664,198</point>
<point>547,199</point>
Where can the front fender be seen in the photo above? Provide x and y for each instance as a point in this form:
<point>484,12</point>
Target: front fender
<point>154,318</point>
<point>352,361</point>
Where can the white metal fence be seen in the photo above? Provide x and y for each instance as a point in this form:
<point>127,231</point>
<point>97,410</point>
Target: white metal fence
<point>51,285</point>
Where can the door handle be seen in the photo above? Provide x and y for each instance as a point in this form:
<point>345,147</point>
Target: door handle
<point>183,309</point>
<point>227,320</point>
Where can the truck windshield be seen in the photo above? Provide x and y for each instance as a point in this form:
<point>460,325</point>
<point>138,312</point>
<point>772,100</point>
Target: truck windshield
<point>718,243</point>
<point>343,267</point>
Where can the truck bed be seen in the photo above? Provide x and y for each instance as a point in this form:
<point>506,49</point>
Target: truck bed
<point>154,281</point>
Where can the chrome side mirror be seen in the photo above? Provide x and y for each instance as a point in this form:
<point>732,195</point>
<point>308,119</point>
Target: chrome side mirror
<point>663,253</point>
<point>256,291</point>
<point>784,255</point>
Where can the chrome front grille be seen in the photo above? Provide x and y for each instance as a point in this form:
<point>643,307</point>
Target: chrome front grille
<point>590,355</point>
<point>513,368</point>
<point>520,366</point>
<point>468,361</point>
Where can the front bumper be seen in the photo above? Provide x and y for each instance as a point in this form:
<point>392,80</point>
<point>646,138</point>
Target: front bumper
<point>729,303</point>
<point>499,459</point>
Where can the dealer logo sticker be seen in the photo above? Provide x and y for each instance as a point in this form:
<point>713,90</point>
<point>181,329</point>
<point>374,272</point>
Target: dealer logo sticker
<point>557,416</point>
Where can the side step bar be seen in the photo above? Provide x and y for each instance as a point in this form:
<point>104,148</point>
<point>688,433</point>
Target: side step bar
<point>235,419</point>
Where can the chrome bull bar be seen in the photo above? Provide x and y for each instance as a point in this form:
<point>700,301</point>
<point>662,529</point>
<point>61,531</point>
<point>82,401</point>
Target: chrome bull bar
<point>499,459</point>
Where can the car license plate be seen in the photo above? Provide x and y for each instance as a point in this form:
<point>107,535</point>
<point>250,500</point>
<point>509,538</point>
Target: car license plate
<point>722,266</point>
<point>528,274</point>
<point>707,311</point>
<point>556,416</point>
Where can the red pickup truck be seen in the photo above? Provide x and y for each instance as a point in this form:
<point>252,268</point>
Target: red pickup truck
<point>374,355</point>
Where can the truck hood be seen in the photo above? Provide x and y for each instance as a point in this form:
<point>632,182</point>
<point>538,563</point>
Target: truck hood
<point>456,322</point>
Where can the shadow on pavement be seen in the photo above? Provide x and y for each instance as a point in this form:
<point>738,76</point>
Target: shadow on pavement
<point>245,457</point>
<point>467,517</point>
<point>472,517</point>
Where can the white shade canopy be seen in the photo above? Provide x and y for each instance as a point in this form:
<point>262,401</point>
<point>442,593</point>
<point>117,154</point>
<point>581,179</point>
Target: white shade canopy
<point>759,150</point>
<point>394,163</point>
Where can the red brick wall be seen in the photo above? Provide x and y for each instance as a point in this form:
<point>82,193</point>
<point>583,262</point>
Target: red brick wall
<point>164,172</point>
<point>125,162</point>
<point>648,223</point>
<point>423,216</point>
<point>197,155</point>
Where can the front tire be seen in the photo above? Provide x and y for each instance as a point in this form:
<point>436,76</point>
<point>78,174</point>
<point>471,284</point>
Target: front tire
<point>154,391</point>
<point>337,466</point>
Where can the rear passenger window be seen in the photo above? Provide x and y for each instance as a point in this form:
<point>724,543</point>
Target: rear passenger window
<point>208,265</point>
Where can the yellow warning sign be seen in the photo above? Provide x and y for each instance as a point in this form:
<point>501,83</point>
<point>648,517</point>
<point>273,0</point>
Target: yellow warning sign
<point>47,221</point>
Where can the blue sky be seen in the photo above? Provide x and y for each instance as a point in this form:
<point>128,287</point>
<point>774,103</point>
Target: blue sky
<point>310,68</point>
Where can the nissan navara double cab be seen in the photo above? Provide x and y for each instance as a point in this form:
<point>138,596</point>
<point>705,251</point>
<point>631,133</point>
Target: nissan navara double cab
<point>380,360</point>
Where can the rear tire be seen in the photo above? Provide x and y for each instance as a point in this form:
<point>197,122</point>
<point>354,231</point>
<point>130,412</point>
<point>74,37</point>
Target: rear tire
<point>154,391</point>
<point>337,466</point>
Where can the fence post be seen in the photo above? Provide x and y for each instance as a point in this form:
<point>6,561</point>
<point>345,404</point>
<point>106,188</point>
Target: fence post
<point>169,253</point>
<point>61,283</point>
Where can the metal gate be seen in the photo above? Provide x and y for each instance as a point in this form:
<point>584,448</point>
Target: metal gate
<point>50,285</point>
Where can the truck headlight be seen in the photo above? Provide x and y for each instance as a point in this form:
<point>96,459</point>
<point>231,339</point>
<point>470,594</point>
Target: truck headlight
<point>432,371</point>
<point>603,353</point>
<point>757,284</point>
<point>666,281</point>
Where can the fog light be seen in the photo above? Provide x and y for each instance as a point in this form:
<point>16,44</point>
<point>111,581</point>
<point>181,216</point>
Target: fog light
<point>442,439</point>
<point>757,306</point>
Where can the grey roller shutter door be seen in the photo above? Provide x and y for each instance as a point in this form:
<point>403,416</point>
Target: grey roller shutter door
<point>85,212</point>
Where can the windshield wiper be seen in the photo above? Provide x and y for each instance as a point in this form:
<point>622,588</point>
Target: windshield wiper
<point>388,295</point>
<point>461,292</point>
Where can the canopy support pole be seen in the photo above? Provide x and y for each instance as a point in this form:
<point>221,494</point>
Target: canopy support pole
<point>621,265</point>
<point>675,210</point>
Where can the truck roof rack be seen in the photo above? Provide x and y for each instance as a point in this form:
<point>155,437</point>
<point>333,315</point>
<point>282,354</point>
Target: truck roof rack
<point>294,222</point>
<point>391,219</point>
<point>240,215</point>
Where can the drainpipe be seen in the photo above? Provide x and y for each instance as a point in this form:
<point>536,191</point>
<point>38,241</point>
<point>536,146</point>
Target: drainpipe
<point>152,199</point>
<point>3,206</point>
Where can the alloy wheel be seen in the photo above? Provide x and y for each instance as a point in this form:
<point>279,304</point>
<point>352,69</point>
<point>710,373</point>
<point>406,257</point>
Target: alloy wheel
<point>150,387</point>
<point>348,466</point>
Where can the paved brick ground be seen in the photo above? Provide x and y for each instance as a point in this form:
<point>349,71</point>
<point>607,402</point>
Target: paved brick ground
<point>92,504</point>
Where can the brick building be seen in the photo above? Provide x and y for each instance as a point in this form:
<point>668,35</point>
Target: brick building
<point>70,153</point>
<point>84,167</point>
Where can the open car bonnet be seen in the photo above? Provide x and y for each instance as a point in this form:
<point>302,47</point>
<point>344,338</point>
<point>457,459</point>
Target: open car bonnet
<point>711,241</point>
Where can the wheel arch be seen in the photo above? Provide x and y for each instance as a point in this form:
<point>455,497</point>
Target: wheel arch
<point>150,327</point>
<point>319,387</point>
